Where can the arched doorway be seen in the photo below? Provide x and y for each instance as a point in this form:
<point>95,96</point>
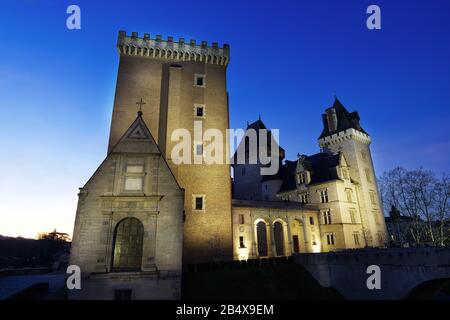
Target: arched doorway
<point>261,234</point>
<point>278,234</point>
<point>128,243</point>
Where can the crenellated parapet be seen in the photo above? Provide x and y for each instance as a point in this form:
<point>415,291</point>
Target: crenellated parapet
<point>172,50</point>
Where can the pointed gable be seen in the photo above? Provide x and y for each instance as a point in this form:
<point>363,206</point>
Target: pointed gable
<point>137,139</point>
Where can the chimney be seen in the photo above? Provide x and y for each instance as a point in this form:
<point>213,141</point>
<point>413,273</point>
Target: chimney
<point>331,119</point>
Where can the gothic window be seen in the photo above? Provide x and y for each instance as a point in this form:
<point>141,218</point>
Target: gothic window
<point>128,242</point>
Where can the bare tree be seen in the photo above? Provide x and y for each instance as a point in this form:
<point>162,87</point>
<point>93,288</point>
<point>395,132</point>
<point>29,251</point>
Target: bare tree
<point>442,199</point>
<point>422,197</point>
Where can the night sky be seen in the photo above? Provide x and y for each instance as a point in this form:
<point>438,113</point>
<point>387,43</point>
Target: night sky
<point>288,60</point>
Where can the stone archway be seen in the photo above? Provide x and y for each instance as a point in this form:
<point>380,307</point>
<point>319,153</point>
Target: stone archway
<point>278,234</point>
<point>261,237</point>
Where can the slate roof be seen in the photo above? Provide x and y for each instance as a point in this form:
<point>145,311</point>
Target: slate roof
<point>257,125</point>
<point>322,167</point>
<point>345,120</point>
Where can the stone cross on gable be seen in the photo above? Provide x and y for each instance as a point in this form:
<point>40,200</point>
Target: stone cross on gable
<point>140,103</point>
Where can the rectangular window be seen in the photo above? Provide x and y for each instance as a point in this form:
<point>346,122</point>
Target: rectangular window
<point>349,193</point>
<point>122,294</point>
<point>330,238</point>
<point>133,183</point>
<point>345,173</point>
<point>296,244</point>
<point>352,215</point>
<point>372,197</point>
<point>241,219</point>
<point>368,175</point>
<point>356,238</point>
<point>199,112</point>
<point>198,202</point>
<point>324,196</point>
<point>241,242</point>
<point>326,214</point>
<point>303,197</point>
<point>301,178</point>
<point>134,177</point>
<point>311,221</point>
<point>200,80</point>
<point>376,217</point>
<point>199,149</point>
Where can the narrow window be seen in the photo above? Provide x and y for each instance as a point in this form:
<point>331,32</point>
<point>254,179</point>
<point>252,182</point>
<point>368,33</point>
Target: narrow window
<point>345,173</point>
<point>323,196</point>
<point>356,238</point>
<point>349,193</point>
<point>372,197</point>
<point>199,111</point>
<point>241,219</point>
<point>311,220</point>
<point>199,80</point>
<point>122,294</point>
<point>199,149</point>
<point>352,215</point>
<point>330,238</point>
<point>241,242</point>
<point>368,175</point>
<point>198,203</point>
<point>326,214</point>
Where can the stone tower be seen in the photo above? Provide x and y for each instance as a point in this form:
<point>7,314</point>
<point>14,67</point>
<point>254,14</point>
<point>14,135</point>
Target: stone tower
<point>342,132</point>
<point>181,83</point>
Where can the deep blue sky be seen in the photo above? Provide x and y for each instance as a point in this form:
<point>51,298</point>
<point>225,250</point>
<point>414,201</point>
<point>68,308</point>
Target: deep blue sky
<point>288,59</point>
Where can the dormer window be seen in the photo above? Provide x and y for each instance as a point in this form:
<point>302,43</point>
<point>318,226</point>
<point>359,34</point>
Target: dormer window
<point>345,173</point>
<point>301,178</point>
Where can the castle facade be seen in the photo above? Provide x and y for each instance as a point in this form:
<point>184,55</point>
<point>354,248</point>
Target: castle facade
<point>143,213</point>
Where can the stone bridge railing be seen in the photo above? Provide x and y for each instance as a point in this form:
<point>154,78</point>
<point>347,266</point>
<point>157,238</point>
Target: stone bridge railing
<point>401,270</point>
